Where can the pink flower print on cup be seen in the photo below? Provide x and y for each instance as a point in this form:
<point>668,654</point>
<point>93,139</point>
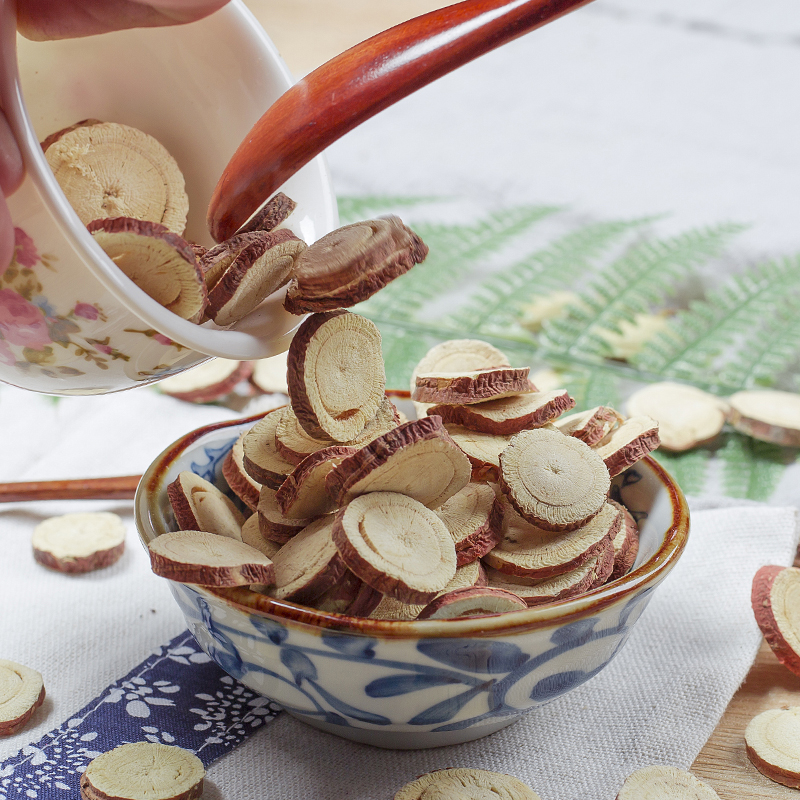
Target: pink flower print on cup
<point>87,311</point>
<point>22,322</point>
<point>161,339</point>
<point>25,251</point>
<point>104,348</point>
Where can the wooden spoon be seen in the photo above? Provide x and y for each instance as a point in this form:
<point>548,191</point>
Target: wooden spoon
<point>357,84</point>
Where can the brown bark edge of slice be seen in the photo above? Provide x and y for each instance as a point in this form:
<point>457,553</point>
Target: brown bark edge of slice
<point>629,443</point>
<point>207,559</point>
<point>178,772</point>
<point>772,625</point>
<point>752,412</point>
<point>261,459</point>
<point>246,488</point>
<point>198,505</point>
<point>35,692</point>
<point>201,390</point>
<point>276,210</point>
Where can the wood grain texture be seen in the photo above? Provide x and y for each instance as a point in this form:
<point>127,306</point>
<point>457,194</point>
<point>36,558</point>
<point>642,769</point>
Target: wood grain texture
<point>116,488</point>
<point>356,85</point>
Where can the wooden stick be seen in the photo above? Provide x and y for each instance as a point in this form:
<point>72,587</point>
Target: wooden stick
<point>359,83</point>
<point>117,488</point>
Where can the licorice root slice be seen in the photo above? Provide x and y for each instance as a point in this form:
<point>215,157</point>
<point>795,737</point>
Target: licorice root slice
<point>772,740</point>
<point>589,426</point>
<point>529,552</point>
<point>273,523</point>
<point>251,534</point>
<point>208,560</point>
<point>629,443</point>
<point>687,417</point>
<point>555,482</point>
<point>107,169</point>
<point>158,261</point>
<point>474,517</point>
<point>275,211</point>
<point>595,572</point>
<point>776,603</point>
<point>475,386</point>
<point>236,476</point>
<point>269,374</point>
<point>482,449</point>
<point>508,415</point>
<point>350,595</point>
<point>293,441</point>
<point>768,415</point>
<point>79,542</point>
<point>463,782</point>
<point>261,458</point>
<point>212,380</point>
<point>417,459</point>
<point>352,263</point>
<point>309,564</point>
<point>664,783</point>
<point>214,262</point>
<point>626,543</point>
<point>303,493</point>
<point>21,693</point>
<point>143,771</point>
<point>198,505</point>
<point>336,374</point>
<point>472,602</point>
<point>256,272</point>
<point>396,545</point>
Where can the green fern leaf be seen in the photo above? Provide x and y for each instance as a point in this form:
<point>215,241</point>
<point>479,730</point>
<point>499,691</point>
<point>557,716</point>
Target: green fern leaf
<point>642,278</point>
<point>733,313</point>
<point>590,387</point>
<point>689,469</point>
<point>499,301</point>
<point>355,209</point>
<point>453,249</point>
<point>750,468</point>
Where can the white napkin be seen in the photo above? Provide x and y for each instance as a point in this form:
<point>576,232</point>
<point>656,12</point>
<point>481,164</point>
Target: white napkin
<point>656,702</point>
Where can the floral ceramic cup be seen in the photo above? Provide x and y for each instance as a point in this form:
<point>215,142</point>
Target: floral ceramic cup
<point>414,684</point>
<point>70,321</point>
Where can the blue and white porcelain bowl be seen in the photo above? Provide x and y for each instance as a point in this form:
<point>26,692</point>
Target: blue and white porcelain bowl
<point>415,684</point>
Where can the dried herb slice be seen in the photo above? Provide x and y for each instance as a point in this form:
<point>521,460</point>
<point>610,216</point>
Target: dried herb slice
<point>107,169</point>
<point>236,476</point>
<point>508,415</point>
<point>775,598</point>
<point>336,375</point>
<point>396,545</point>
<point>626,543</point>
<point>474,386</point>
<point>474,601</point>
<point>258,270</point>
<point>529,552</point>
<point>309,564</point>
<point>663,782</point>
<point>771,739</point>
<point>79,542</point>
<point>463,782</point>
<point>555,482</point>
<point>208,560</point>
<point>417,459</point>
<point>589,426</point>
<point>293,441</point>
<point>143,771</point>
<point>768,415</point>
<point>251,534</point>
<point>627,444</point>
<point>211,380</point>
<point>273,523</point>
<point>158,261</point>
<point>275,211</point>
<point>482,449</point>
<point>474,517</point>
<point>261,458</point>
<point>21,693</point>
<point>198,505</point>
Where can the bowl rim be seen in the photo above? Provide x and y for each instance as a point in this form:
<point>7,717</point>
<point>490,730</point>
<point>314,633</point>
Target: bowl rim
<point>207,339</point>
<point>554,614</point>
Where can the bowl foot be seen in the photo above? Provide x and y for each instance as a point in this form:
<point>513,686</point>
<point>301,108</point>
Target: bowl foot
<point>407,740</point>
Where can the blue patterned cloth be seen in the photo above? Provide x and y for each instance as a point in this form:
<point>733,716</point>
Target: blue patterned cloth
<point>177,696</point>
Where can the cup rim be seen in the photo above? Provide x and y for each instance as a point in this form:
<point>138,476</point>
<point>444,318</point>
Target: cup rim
<point>553,614</point>
<point>207,338</point>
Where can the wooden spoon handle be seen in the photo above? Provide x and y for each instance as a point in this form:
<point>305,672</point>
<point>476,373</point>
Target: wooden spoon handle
<point>117,488</point>
<point>357,84</point>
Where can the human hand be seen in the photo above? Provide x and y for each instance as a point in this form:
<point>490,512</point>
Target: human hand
<point>44,19</point>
